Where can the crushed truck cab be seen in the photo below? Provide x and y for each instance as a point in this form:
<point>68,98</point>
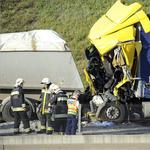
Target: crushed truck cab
<point>114,69</point>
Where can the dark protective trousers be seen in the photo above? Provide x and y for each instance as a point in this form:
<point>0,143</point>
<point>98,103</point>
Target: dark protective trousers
<point>21,116</point>
<point>71,125</point>
<point>46,120</point>
<point>60,124</point>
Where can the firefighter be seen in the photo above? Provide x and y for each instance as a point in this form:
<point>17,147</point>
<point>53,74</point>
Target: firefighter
<point>73,107</point>
<point>19,107</point>
<point>59,99</point>
<point>45,108</point>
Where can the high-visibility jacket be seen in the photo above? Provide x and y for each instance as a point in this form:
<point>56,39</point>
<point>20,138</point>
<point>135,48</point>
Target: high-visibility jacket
<point>60,102</point>
<point>72,108</point>
<point>17,99</point>
<point>45,100</point>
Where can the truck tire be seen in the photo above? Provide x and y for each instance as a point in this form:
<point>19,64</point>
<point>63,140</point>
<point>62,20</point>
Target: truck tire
<point>113,112</point>
<point>7,113</point>
<point>38,112</point>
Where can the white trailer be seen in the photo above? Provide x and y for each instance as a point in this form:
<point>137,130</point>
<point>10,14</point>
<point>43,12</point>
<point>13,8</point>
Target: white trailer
<point>32,56</point>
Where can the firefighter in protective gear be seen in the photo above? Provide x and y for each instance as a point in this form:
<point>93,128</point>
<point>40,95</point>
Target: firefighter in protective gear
<point>19,107</point>
<point>45,108</point>
<point>73,107</point>
<point>59,99</point>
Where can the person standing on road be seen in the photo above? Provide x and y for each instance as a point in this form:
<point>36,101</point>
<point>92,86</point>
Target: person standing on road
<point>45,108</point>
<point>19,107</point>
<point>59,99</point>
<point>73,107</point>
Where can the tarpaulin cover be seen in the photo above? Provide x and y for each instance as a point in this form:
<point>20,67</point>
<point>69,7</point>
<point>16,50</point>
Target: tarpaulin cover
<point>104,124</point>
<point>32,41</point>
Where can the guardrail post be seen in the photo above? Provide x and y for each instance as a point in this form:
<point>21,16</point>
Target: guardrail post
<point>79,120</point>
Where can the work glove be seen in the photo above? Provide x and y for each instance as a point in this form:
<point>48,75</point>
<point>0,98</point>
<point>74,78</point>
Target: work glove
<point>50,109</point>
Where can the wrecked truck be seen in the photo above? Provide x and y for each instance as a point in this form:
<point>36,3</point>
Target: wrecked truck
<point>118,72</point>
<point>34,55</point>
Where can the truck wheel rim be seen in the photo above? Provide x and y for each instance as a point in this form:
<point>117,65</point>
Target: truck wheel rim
<point>112,112</point>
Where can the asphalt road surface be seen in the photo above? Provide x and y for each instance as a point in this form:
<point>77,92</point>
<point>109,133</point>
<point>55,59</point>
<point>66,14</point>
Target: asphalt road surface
<point>88,128</point>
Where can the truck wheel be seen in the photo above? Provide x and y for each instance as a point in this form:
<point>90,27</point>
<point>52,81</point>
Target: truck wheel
<point>7,112</point>
<point>113,112</point>
<point>38,112</point>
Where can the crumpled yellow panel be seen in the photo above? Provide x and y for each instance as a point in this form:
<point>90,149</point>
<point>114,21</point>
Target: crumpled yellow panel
<point>108,25</point>
<point>105,44</point>
<point>88,79</point>
<point>129,50</point>
<point>124,12</point>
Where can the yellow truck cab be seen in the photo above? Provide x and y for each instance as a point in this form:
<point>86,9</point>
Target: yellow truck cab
<point>114,70</point>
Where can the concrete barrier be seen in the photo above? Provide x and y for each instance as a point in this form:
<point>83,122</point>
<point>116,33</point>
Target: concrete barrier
<point>73,139</point>
<point>101,146</point>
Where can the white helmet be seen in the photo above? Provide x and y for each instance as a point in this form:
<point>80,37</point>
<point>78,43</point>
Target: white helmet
<point>77,92</point>
<point>55,88</point>
<point>19,81</point>
<point>45,81</point>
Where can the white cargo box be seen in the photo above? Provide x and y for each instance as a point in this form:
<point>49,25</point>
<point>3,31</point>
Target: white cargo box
<point>34,55</point>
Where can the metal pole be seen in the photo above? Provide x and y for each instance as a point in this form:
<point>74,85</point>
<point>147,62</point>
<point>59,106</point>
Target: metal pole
<point>79,119</point>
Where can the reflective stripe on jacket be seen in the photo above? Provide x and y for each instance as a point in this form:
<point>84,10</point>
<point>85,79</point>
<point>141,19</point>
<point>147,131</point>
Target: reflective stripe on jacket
<point>72,108</point>
<point>45,99</point>
<point>18,109</point>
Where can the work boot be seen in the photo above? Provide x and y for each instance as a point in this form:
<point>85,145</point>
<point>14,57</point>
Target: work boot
<point>49,132</point>
<point>41,132</point>
<point>31,131</point>
<point>17,132</point>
